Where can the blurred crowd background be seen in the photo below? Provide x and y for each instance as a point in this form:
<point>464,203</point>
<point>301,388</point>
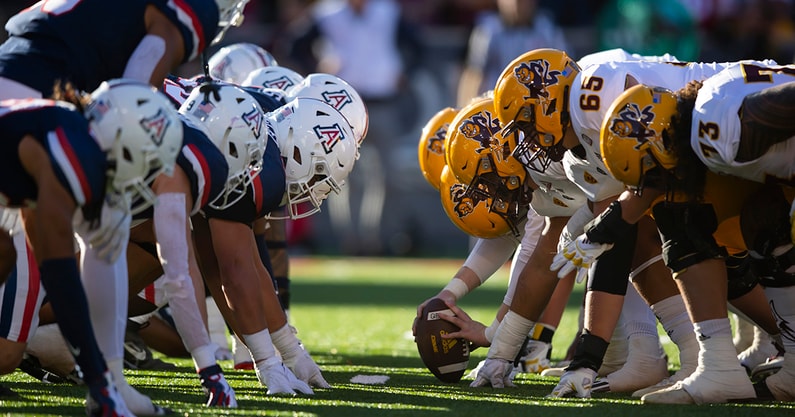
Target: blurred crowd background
<point>410,58</point>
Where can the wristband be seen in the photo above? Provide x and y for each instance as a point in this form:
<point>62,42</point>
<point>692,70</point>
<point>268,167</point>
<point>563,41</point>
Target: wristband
<point>457,287</point>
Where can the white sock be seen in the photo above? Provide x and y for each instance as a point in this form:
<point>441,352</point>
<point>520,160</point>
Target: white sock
<point>674,318</point>
<point>260,345</point>
<point>285,342</point>
<point>716,350</point>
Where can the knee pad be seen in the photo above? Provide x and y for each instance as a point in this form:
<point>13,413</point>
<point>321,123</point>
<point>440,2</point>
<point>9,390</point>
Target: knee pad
<point>742,278</point>
<point>611,270</point>
<point>686,230</point>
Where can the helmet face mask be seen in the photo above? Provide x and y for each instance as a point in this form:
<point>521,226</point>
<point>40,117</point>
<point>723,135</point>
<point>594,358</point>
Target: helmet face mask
<point>142,133</point>
<point>235,123</point>
<point>633,134</point>
<point>476,213</point>
<point>531,96</point>
<point>230,13</point>
<point>319,150</point>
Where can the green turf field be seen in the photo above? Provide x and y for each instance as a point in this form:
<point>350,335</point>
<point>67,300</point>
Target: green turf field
<point>354,316</point>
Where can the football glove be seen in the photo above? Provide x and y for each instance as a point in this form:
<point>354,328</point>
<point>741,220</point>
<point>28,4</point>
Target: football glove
<point>273,374</point>
<point>496,373</point>
<point>576,383</point>
<point>579,254</point>
<point>219,392</point>
<point>306,369</point>
<point>109,235</point>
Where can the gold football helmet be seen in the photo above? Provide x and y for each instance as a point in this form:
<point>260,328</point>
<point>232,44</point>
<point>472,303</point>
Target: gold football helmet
<point>532,96</point>
<point>632,141</point>
<point>478,215</point>
<point>430,151</point>
<point>477,152</point>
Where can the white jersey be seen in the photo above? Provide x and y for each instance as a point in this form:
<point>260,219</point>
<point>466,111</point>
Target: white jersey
<point>556,195</point>
<point>594,90</point>
<point>715,132</point>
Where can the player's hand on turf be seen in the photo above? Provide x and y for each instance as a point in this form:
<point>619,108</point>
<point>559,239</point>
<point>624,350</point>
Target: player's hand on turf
<point>578,255</point>
<point>444,295</point>
<point>471,330</point>
<point>305,368</point>
<point>279,379</point>
<point>219,392</point>
<point>576,383</point>
<point>495,373</point>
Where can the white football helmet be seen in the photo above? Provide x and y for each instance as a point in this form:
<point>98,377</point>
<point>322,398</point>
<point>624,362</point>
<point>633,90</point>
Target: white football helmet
<point>141,131</point>
<point>319,148</point>
<point>274,76</point>
<point>235,122</point>
<point>337,92</point>
<point>233,63</point>
<point>230,13</point>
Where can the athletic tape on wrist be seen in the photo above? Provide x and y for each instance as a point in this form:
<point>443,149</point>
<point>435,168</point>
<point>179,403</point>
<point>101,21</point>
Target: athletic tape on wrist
<point>457,287</point>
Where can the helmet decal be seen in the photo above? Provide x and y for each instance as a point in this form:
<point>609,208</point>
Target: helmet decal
<point>330,136</point>
<point>536,76</point>
<point>481,127</point>
<point>156,126</point>
<point>254,120</point>
<point>281,83</point>
<point>632,122</point>
<point>436,142</point>
<point>338,99</point>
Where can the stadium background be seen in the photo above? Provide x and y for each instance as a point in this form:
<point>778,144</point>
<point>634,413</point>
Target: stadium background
<point>689,29</point>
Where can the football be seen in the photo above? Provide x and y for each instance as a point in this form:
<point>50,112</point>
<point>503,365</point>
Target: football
<point>447,359</point>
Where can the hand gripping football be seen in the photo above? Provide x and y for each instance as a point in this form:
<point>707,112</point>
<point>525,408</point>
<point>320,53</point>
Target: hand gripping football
<point>445,358</point>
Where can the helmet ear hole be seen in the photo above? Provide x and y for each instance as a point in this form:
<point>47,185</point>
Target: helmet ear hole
<point>126,154</point>
<point>233,152</point>
<point>297,155</point>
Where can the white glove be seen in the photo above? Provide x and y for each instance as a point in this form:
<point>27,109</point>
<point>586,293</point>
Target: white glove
<point>495,373</point>
<point>578,254</point>
<point>280,380</point>
<point>306,369</point>
<point>575,383</point>
<point>110,235</point>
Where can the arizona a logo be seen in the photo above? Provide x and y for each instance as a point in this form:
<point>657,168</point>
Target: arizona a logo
<point>329,136</point>
<point>156,126</point>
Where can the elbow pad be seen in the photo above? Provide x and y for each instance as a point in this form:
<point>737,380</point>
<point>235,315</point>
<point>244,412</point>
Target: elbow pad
<point>609,226</point>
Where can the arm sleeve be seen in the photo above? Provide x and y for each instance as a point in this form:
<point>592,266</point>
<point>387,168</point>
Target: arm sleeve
<point>171,231</point>
<point>488,255</point>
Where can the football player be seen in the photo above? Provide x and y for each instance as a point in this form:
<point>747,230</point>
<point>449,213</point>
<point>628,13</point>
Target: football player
<point>40,134</point>
<point>253,310</point>
<point>496,241</point>
<point>552,127</point>
<point>685,134</point>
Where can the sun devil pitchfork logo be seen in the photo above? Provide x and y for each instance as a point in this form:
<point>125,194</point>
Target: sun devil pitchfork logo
<point>329,136</point>
<point>536,77</point>
<point>156,126</point>
<point>632,123</point>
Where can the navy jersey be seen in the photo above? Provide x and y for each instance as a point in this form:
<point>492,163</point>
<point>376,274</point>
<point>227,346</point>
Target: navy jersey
<point>263,195</point>
<point>268,98</point>
<point>204,165</point>
<point>90,41</point>
<point>77,160</point>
